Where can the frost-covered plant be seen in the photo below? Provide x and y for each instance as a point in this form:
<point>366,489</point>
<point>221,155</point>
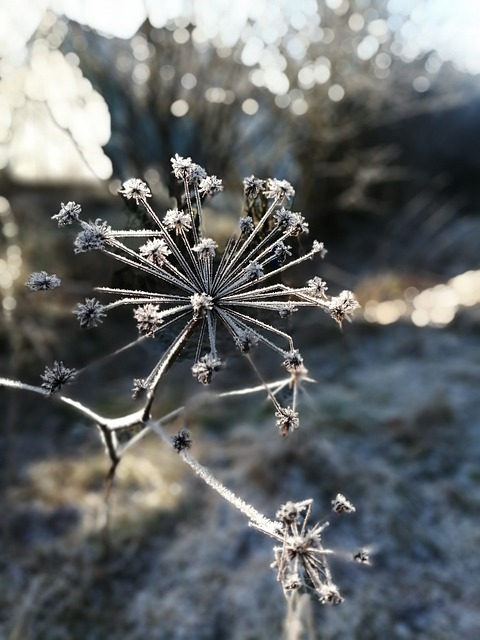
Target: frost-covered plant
<point>199,290</point>
<point>208,289</point>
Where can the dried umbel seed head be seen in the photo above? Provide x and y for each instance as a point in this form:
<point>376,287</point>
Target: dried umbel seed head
<point>197,290</point>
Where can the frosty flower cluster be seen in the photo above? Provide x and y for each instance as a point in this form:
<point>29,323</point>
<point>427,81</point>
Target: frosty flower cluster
<point>201,291</point>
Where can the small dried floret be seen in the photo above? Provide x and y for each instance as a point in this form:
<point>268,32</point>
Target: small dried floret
<point>282,218</point>
<point>178,221</point>
<point>68,213</point>
<point>206,248</point>
<point>210,185</point>
<point>139,388</point>
<point>246,339</point>
<point>279,189</point>
<point>297,224</point>
<point>136,189</point>
<point>319,247</point>
<point>182,440</point>
<point>197,173</point>
<point>185,169</point>
<point>93,237</point>
<point>288,513</point>
<point>293,361</point>
<point>253,271</point>
<point>181,167</point>
<point>291,582</point>
<point>317,287</point>
<point>201,303</point>
<point>282,251</point>
<point>287,310</point>
<point>362,556</point>
<point>42,281</point>
<point>329,594</point>
<point>148,318</point>
<point>287,420</point>
<point>246,225</point>
<point>155,251</point>
<point>90,313</point>
<point>341,505</point>
<point>342,306</point>
<point>204,369</point>
<point>56,377</point>
<point>252,187</point>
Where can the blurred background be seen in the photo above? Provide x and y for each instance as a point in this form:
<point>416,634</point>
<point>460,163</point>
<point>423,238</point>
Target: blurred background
<point>370,108</point>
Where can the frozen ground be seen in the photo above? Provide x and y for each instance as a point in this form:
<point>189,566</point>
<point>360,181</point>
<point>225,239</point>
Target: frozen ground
<point>392,423</point>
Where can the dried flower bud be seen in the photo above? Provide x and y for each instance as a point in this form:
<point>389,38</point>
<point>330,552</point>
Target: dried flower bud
<point>68,213</point>
<point>362,556</point>
<point>182,441</point>
<point>201,303</point>
<point>279,189</point>
<point>293,361</point>
<point>210,185</point>
<point>175,220</point>
<point>155,251</point>
<point>342,306</point>
<point>287,420</point>
<point>204,369</point>
<point>253,271</point>
<point>341,505</point>
<point>246,225</point>
<point>330,595</point>
<point>56,377</point>
<point>317,287</point>
<point>288,513</point>
<point>246,339</point>
<point>206,248</point>
<point>148,318</point>
<point>252,187</point>
<point>90,313</point>
<point>135,189</point>
<point>139,388</point>
<point>41,281</point>
<point>93,237</point>
<point>282,251</point>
